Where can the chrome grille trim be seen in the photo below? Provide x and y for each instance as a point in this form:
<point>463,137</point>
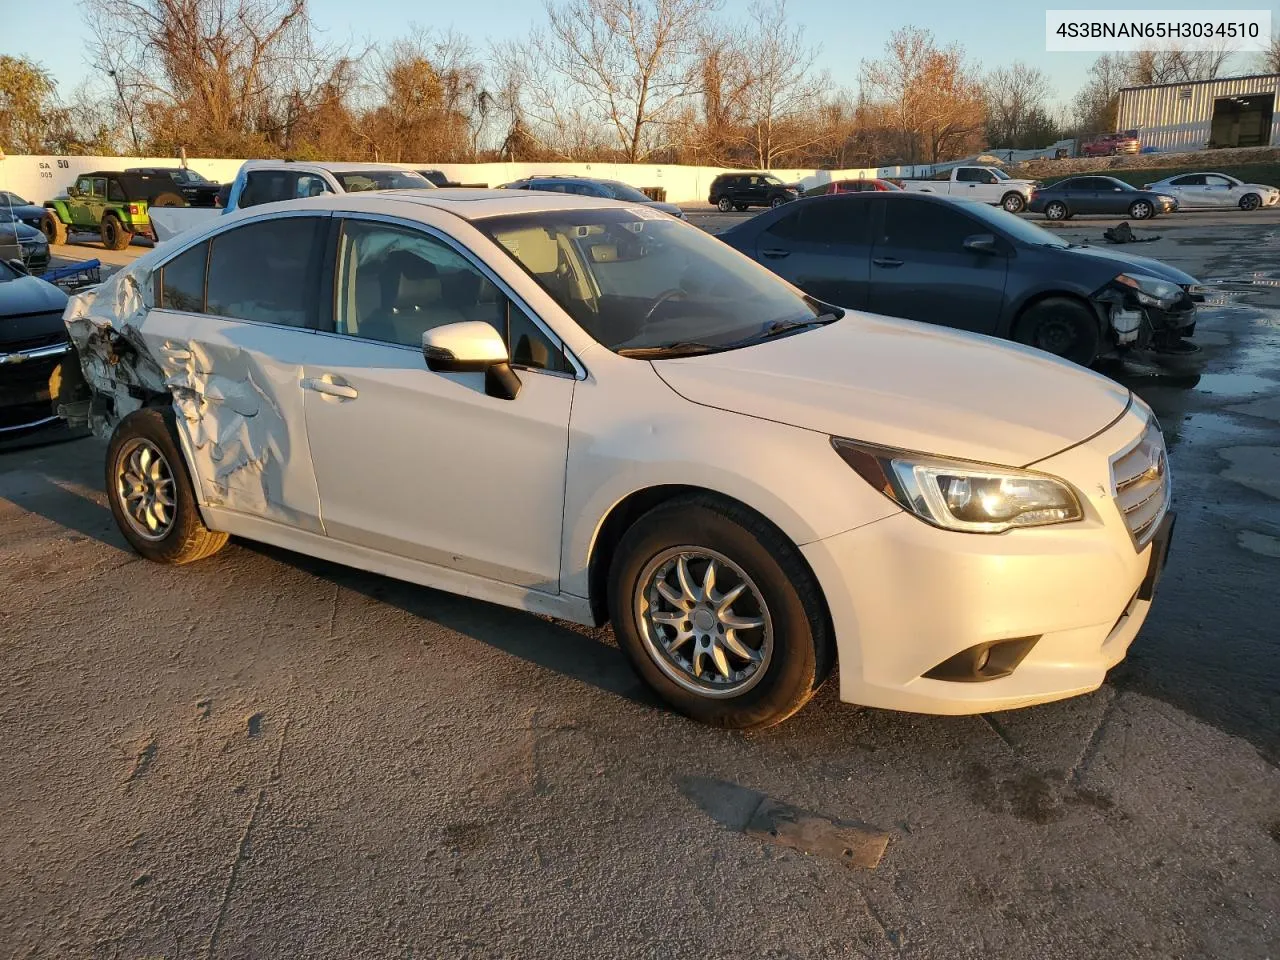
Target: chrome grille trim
<point>1140,484</point>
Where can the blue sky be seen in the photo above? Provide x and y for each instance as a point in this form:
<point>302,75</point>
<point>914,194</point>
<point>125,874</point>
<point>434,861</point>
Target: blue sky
<point>992,33</point>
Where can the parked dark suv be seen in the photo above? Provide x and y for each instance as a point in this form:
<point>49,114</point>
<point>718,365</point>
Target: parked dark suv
<point>738,191</point>
<point>974,267</point>
<point>197,190</point>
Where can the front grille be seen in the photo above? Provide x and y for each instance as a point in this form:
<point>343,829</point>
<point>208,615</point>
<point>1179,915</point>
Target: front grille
<point>33,343</point>
<point>1140,483</point>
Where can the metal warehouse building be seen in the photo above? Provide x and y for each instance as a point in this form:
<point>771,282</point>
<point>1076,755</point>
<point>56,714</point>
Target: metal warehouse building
<point>1236,112</point>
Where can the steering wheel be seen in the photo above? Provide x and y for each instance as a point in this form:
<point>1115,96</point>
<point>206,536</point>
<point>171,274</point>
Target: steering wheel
<point>660,299</point>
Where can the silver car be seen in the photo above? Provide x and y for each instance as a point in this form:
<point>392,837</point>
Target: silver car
<point>1216,191</point>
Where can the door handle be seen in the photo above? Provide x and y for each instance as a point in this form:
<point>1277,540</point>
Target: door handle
<point>339,389</point>
<point>889,262</point>
<point>775,254</point>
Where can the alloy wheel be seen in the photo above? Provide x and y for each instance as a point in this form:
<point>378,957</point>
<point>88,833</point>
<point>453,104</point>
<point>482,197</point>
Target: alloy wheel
<point>1249,202</point>
<point>703,621</point>
<point>1055,211</point>
<point>146,489</point>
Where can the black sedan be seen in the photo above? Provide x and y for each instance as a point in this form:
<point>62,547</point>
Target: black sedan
<point>18,239</point>
<point>33,345</point>
<point>32,214</point>
<point>1066,198</point>
<point>974,267</point>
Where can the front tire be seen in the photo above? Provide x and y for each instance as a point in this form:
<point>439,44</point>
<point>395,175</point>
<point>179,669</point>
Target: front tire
<point>718,612</point>
<point>1056,210</point>
<point>114,235</point>
<point>150,491</point>
<point>1061,326</point>
<point>1141,210</point>
<point>725,205</point>
<point>777,202</point>
<point>54,230</point>
<point>1250,202</point>
<point>1014,202</point>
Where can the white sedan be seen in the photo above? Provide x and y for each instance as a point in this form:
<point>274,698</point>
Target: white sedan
<point>595,411</point>
<point>1216,191</point>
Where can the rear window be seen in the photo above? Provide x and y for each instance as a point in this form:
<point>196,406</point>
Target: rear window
<point>182,280</point>
<point>362,180</point>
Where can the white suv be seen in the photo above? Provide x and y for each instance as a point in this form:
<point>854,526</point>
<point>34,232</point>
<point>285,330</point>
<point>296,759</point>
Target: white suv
<point>592,410</point>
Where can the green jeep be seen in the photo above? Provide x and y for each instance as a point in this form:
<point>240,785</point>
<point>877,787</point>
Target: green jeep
<point>111,203</point>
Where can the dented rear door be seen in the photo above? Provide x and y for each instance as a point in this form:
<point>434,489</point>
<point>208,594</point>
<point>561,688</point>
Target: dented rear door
<point>233,351</point>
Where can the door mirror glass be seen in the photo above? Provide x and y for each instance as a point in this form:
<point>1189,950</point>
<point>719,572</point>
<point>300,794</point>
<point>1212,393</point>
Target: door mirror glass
<point>472,346</point>
<point>980,243</point>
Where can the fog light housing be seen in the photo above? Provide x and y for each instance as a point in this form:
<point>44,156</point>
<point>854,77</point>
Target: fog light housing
<point>984,661</point>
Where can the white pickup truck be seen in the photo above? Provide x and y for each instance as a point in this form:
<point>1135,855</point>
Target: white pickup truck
<point>987,184</point>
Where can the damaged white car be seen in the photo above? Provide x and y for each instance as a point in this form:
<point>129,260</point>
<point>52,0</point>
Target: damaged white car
<point>595,411</point>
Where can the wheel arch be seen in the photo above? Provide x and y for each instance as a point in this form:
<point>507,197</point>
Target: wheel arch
<point>1039,296</point>
<point>630,508</point>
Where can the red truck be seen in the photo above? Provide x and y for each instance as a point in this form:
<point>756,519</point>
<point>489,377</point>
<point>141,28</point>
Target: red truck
<point>1111,144</point>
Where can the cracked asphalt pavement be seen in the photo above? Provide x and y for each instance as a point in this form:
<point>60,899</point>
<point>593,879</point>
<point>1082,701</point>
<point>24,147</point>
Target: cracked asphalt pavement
<point>266,755</point>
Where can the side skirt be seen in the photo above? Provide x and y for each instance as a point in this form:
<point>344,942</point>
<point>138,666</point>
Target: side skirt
<point>563,606</point>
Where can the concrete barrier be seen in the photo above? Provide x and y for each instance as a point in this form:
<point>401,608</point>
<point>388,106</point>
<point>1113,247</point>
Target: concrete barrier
<point>42,178</point>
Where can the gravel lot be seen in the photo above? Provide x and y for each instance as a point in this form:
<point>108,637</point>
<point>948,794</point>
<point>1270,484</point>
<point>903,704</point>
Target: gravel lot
<point>264,755</point>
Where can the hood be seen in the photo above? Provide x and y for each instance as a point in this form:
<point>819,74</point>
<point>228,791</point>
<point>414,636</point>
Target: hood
<point>24,231</point>
<point>1264,188</point>
<point>670,208</point>
<point>29,307</point>
<point>1121,261</point>
<point>908,385</point>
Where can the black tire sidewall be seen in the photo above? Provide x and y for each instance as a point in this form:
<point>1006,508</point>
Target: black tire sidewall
<point>1055,206</point>
<point>796,668</point>
<point>156,425</point>
<point>1019,203</point>
<point>1139,205</point>
<point>49,226</point>
<point>1247,205</point>
<point>1088,334</point>
<point>724,204</point>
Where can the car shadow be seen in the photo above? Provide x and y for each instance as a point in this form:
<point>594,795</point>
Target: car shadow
<point>586,654</point>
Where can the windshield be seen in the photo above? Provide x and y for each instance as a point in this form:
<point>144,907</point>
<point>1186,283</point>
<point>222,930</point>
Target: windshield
<point>1012,225</point>
<point>1113,182</point>
<point>634,279</point>
<point>623,191</point>
<point>189,176</point>
<point>7,272</point>
<point>361,180</point>
<point>12,198</point>
<point>771,179</point>
<point>998,174</point>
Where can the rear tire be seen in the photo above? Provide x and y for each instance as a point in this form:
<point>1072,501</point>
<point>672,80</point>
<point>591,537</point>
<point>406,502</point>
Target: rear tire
<point>1057,210</point>
<point>150,491</point>
<point>724,205</point>
<point>741,207</point>
<point>1014,202</point>
<point>1250,201</point>
<point>114,235</point>
<point>1061,326</point>
<point>54,230</point>
<point>791,640</point>
<point>1141,210</point>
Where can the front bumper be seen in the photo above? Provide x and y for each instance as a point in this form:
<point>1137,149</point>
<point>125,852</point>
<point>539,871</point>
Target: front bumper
<point>906,597</point>
<point>26,387</point>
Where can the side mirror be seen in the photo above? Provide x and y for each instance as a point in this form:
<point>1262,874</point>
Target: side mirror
<point>472,346</point>
<point>980,243</point>
<point>18,265</point>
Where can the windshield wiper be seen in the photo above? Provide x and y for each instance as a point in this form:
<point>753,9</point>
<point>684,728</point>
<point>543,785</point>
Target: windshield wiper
<point>677,348</point>
<point>779,327</point>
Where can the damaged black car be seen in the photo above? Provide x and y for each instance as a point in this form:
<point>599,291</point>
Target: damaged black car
<point>975,267</point>
<point>33,346</point>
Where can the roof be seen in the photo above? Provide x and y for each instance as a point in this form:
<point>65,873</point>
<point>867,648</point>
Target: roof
<point>344,167</point>
<point>1198,83</point>
<point>463,202</point>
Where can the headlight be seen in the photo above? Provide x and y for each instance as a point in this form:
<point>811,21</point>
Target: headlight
<point>1150,291</point>
<point>959,495</point>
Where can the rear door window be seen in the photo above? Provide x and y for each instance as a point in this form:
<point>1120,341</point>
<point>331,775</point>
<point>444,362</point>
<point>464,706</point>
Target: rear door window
<point>267,271</point>
<point>1191,180</point>
<point>923,226</point>
<point>844,221</point>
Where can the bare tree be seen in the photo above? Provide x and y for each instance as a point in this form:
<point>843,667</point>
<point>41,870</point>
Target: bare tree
<point>929,95</point>
<point>1015,97</point>
<point>1269,59</point>
<point>214,74</point>
<point>783,97</point>
<point>624,65</point>
<point>1094,105</point>
<point>1172,64</point>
